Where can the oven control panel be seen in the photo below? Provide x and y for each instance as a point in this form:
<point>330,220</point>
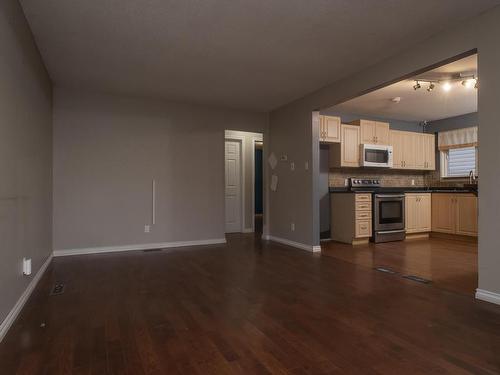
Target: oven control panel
<point>364,182</point>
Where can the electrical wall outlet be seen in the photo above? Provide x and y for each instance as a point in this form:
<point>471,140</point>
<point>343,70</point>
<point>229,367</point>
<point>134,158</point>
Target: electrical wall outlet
<point>292,227</point>
<point>147,228</point>
<point>346,182</point>
<point>292,166</point>
<point>412,182</point>
<point>306,166</point>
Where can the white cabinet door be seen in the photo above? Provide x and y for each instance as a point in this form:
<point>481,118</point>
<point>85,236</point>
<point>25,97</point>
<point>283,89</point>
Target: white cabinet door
<point>233,186</point>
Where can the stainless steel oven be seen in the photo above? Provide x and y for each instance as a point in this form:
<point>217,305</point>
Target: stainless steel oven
<point>388,217</point>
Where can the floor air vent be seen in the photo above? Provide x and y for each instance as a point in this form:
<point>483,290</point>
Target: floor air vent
<point>385,270</point>
<point>417,279</point>
<point>57,289</point>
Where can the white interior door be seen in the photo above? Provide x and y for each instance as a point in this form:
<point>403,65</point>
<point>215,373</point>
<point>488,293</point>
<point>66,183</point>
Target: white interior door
<point>233,186</point>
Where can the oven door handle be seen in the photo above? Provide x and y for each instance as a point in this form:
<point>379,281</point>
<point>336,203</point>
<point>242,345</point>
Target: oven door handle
<point>390,231</point>
<point>389,196</point>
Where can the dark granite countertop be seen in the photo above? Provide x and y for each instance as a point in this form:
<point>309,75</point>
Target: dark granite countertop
<point>409,189</point>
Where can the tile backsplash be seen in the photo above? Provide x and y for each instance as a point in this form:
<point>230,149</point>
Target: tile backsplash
<point>388,178</point>
<point>393,178</point>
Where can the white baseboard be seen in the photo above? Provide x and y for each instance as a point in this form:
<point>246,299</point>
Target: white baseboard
<point>298,245</point>
<point>487,296</point>
<point>248,230</point>
<point>12,315</point>
<point>148,246</point>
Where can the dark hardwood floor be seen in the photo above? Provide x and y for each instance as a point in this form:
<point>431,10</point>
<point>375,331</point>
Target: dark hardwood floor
<point>245,308</point>
<point>449,264</point>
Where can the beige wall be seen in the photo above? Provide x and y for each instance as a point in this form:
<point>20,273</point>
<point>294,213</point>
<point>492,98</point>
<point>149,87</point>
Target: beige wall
<point>292,131</point>
<point>107,149</point>
<point>25,156</point>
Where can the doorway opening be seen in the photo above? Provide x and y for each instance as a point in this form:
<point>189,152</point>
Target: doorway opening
<point>414,144</point>
<point>243,166</point>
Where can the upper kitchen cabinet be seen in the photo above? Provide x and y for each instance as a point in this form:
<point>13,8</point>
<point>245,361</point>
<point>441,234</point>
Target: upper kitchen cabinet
<point>373,132</point>
<point>412,150</point>
<point>346,153</point>
<point>329,129</point>
<point>429,151</point>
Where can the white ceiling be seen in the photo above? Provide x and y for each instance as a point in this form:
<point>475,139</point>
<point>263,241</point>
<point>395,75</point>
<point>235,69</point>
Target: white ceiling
<point>256,54</point>
<point>419,105</point>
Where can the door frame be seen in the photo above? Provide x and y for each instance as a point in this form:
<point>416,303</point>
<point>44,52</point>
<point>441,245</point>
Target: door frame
<point>241,140</point>
<point>235,135</point>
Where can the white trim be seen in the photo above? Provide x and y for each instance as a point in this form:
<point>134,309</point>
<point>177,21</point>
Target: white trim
<point>148,246</point>
<point>488,296</point>
<point>298,245</point>
<point>316,249</point>
<point>12,315</point>
<point>248,230</point>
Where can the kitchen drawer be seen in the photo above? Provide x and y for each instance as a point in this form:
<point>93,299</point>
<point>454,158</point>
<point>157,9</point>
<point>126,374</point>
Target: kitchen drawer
<point>363,197</point>
<point>363,206</point>
<point>363,215</point>
<point>363,228</point>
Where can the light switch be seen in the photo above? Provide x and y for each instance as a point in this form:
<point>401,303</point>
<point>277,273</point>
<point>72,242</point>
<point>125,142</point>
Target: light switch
<point>292,166</point>
<point>27,266</point>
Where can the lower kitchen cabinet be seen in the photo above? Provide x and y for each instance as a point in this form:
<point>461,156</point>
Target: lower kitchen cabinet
<point>466,215</point>
<point>351,217</point>
<point>454,213</point>
<point>418,213</point>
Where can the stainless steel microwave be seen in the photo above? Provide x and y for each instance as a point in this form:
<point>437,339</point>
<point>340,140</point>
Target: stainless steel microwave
<point>376,156</point>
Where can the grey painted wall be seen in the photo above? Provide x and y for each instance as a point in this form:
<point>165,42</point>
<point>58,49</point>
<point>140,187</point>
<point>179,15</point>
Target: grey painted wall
<point>293,131</point>
<point>451,123</point>
<point>410,126</point>
<point>25,156</point>
<point>107,149</point>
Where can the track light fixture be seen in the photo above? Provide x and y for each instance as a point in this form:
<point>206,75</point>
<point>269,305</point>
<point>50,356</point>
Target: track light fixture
<point>446,84</point>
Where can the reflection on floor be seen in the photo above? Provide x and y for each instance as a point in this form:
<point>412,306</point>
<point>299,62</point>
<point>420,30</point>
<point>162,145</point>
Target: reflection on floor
<point>258,223</point>
<point>449,264</point>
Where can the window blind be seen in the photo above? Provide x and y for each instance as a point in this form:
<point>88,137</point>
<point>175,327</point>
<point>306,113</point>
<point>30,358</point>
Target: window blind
<point>461,161</point>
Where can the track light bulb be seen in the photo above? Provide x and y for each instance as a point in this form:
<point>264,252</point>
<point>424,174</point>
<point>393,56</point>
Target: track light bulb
<point>469,83</point>
<point>431,87</point>
<point>475,85</point>
<point>416,86</point>
<point>447,86</point>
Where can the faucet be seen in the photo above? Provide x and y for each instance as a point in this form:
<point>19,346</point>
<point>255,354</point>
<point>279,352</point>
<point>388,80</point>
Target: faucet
<point>472,178</point>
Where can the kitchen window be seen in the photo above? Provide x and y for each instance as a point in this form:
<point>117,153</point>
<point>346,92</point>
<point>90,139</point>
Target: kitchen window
<point>458,152</point>
<point>458,162</point>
